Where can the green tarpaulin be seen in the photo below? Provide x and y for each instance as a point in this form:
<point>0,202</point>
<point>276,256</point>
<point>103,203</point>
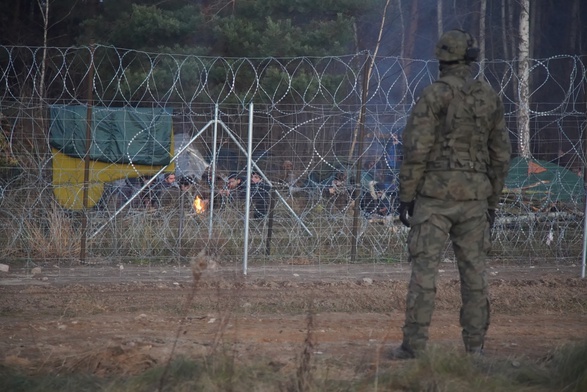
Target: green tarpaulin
<point>141,136</point>
<point>540,181</point>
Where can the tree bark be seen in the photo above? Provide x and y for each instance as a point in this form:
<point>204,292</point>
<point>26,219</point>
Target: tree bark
<point>439,17</point>
<point>369,70</point>
<point>482,15</point>
<point>402,50</point>
<point>504,28</point>
<point>44,8</point>
<point>523,81</point>
<point>511,31</point>
<point>410,41</point>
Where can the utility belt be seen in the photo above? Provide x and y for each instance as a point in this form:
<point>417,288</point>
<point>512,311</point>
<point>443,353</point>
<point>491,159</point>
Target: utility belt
<point>469,166</point>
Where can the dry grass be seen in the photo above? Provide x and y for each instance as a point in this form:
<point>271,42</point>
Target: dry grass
<point>53,237</point>
<point>438,369</point>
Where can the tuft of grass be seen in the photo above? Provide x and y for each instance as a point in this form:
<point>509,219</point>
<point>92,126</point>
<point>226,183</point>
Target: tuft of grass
<point>440,369</point>
<point>53,237</point>
<point>569,368</point>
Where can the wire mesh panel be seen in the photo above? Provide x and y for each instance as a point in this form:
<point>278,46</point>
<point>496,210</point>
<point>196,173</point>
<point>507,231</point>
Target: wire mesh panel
<point>328,175</point>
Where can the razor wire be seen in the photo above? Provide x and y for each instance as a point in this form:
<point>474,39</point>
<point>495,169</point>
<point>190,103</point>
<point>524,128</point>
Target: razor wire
<point>308,141</point>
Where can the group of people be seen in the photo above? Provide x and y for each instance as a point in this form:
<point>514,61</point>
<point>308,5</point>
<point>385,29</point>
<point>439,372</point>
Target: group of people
<point>377,195</point>
<point>151,197</point>
<point>167,187</point>
<point>232,190</point>
<point>260,193</point>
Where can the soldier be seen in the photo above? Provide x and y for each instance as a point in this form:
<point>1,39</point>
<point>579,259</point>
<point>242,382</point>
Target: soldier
<point>456,157</point>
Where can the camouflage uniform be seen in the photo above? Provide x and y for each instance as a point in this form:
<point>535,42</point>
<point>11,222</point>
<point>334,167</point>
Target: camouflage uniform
<point>453,183</point>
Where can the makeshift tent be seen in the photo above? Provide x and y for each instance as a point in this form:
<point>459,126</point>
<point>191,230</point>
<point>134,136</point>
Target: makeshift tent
<point>125,142</point>
<point>190,163</point>
<point>542,183</point>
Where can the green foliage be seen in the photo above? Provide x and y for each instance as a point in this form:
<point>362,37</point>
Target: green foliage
<point>247,29</point>
<point>146,27</point>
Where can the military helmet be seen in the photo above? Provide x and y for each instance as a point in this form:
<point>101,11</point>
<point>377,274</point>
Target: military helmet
<point>455,46</point>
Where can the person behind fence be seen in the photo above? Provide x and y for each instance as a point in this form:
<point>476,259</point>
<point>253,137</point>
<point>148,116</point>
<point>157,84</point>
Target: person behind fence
<point>375,202</point>
<point>338,185</point>
<point>127,188</point>
<point>456,157</point>
<point>161,189</point>
<point>394,159</point>
<point>291,178</point>
<point>260,196</point>
<point>235,188</point>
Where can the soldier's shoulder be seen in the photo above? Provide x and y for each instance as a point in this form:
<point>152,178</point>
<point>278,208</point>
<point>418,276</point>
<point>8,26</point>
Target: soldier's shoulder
<point>437,90</point>
<point>486,86</point>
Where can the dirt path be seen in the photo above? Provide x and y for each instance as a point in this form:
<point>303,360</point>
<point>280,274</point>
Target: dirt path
<point>100,320</point>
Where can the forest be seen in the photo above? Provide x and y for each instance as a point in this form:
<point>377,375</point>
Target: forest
<point>531,50</point>
<point>285,28</point>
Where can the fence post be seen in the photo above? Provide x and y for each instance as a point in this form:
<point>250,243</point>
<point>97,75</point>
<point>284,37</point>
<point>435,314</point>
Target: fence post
<point>357,210</point>
<point>90,102</point>
<point>248,197</point>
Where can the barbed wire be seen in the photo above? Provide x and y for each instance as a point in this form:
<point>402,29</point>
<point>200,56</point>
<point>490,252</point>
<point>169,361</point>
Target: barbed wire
<point>305,122</point>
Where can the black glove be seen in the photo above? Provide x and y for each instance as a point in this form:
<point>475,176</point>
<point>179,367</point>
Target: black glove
<point>491,218</point>
<point>405,210</point>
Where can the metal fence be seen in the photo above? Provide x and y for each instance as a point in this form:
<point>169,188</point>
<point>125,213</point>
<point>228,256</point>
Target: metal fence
<point>325,139</point>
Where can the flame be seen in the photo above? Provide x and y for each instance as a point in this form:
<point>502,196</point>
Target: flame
<point>198,205</point>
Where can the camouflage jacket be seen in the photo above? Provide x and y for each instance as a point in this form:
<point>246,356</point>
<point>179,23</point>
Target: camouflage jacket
<point>423,133</point>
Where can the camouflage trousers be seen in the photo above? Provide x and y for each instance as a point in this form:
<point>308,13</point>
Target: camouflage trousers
<point>466,224</point>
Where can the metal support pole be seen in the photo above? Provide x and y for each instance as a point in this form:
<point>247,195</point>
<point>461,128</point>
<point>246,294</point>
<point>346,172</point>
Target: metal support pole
<point>213,185</point>
<point>248,197</point>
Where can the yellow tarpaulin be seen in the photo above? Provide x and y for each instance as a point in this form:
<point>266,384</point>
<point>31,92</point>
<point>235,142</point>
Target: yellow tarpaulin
<point>68,178</point>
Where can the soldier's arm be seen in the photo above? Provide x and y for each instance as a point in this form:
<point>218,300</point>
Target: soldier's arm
<point>418,139</point>
<point>500,151</point>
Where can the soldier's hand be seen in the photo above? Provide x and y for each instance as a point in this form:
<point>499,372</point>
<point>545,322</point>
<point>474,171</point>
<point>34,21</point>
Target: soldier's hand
<point>405,210</point>
<point>491,218</point>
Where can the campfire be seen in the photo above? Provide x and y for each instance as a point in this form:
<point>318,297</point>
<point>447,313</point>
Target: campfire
<point>199,205</point>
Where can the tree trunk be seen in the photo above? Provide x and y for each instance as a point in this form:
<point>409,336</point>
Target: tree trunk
<point>510,30</point>
<point>523,81</point>
<point>439,17</point>
<point>535,13</point>
<point>410,41</point>
<point>482,15</point>
<point>408,47</point>
<point>402,50</point>
<point>504,25</point>
<point>369,69</point>
<point>45,14</point>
